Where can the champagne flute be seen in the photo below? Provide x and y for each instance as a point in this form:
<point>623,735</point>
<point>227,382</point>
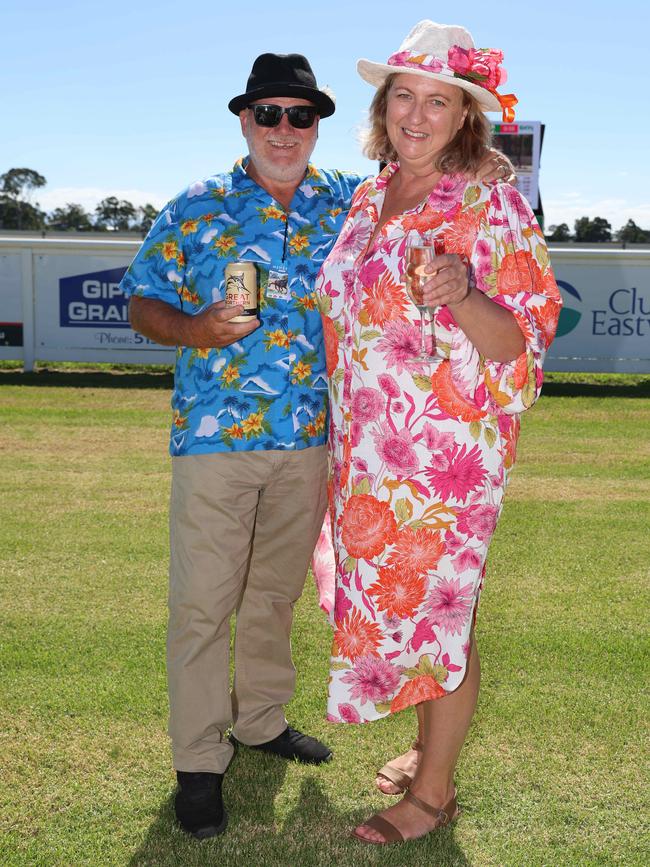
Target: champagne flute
<point>421,250</point>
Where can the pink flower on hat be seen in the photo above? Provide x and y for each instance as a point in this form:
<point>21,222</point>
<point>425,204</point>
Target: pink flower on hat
<point>459,59</point>
<point>481,65</point>
<point>420,61</point>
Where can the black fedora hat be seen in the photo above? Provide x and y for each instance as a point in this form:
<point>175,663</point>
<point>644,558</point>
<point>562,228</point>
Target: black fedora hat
<point>283,75</point>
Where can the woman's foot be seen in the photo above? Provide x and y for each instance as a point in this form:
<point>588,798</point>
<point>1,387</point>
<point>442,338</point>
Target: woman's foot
<point>397,774</point>
<point>409,819</point>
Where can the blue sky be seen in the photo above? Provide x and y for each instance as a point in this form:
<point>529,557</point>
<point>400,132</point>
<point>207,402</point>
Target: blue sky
<point>129,98</point>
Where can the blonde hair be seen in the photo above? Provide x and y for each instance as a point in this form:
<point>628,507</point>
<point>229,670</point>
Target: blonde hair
<point>464,153</point>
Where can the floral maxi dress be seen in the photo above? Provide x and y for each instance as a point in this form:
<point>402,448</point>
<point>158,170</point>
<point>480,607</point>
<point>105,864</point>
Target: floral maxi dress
<point>420,453</point>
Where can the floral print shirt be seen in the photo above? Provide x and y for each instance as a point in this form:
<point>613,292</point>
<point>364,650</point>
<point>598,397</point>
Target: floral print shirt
<point>269,390</point>
<point>419,452</point>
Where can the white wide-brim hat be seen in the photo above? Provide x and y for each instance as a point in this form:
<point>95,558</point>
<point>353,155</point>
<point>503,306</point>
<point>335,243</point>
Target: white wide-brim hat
<point>447,53</point>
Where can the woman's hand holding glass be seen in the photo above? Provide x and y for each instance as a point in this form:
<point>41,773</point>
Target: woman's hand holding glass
<point>422,252</point>
<point>433,278</point>
<point>447,282</point>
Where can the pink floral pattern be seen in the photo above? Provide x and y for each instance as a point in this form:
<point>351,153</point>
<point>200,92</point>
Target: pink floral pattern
<point>420,454</point>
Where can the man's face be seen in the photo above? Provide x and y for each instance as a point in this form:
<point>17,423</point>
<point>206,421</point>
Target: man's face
<point>278,153</point>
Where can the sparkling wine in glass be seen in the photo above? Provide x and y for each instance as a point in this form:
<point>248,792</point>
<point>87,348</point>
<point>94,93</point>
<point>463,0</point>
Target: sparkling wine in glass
<point>421,250</point>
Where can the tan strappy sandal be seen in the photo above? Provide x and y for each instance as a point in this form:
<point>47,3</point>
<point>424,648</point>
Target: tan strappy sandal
<point>443,816</point>
<point>397,776</point>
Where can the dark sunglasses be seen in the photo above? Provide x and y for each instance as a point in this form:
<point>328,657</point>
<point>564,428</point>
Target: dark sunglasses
<point>300,116</point>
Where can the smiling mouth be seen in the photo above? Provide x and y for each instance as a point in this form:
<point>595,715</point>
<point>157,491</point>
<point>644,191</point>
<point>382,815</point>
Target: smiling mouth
<point>413,134</point>
<point>283,145</point>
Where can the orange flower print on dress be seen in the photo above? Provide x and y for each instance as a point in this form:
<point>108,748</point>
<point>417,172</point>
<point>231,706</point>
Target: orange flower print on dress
<point>510,439</point>
<point>520,375</point>
<point>423,221</point>
<point>518,272</point>
<point>331,344</point>
<point>449,397</point>
<point>419,689</point>
<point>398,592</point>
<point>386,300</point>
<point>356,636</point>
<point>461,234</point>
<point>546,319</point>
<point>367,526</point>
<point>417,550</point>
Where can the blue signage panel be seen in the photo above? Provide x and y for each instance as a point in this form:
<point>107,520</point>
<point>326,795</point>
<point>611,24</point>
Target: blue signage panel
<point>89,300</point>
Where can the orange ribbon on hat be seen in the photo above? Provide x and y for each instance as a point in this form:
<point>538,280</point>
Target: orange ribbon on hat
<point>507,101</point>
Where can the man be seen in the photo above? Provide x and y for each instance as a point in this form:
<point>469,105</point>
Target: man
<point>248,433</point>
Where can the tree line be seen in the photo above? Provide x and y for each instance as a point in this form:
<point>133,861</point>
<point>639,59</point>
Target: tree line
<point>17,186</point>
<point>18,211</point>
<point>597,231</point>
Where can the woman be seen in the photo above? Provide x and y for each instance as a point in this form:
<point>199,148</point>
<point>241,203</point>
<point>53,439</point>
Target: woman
<point>420,453</point>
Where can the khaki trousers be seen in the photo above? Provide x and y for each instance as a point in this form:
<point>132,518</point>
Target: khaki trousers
<point>243,527</point>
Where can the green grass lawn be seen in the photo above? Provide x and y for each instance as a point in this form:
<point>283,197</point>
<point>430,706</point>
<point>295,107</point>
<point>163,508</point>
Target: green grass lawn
<point>554,771</point>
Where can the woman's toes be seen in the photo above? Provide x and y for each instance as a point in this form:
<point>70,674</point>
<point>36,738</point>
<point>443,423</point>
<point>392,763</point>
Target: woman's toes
<point>384,785</point>
<point>368,834</point>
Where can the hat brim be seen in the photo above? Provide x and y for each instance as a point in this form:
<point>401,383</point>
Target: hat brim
<point>322,101</point>
<point>377,73</point>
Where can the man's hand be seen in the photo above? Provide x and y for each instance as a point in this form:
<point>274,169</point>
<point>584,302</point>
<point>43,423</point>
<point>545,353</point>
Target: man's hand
<point>212,327</point>
<point>169,326</point>
<point>496,167</point>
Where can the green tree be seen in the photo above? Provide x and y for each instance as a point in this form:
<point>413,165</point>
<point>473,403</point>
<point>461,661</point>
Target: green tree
<point>559,233</point>
<point>630,233</point>
<point>594,231</point>
<point>19,215</point>
<point>113,213</point>
<point>20,183</point>
<point>71,217</point>
<point>16,209</point>
<point>147,215</point>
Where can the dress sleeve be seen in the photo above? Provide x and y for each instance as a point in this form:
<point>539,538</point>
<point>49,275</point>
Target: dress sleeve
<point>509,262</point>
<point>158,270</point>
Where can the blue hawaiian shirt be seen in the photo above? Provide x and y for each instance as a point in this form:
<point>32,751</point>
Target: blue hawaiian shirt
<point>269,390</point>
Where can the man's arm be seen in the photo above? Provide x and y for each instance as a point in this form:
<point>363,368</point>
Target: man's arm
<point>496,167</point>
<point>171,327</point>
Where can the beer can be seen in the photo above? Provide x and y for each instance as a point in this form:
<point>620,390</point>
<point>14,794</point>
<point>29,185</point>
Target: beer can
<point>241,288</point>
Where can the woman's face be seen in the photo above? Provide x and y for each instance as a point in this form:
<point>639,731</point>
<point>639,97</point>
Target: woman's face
<point>422,116</point>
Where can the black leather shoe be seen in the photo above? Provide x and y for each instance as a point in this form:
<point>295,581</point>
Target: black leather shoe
<point>199,804</point>
<point>292,744</point>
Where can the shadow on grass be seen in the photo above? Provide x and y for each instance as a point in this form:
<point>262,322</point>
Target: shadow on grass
<point>249,789</point>
<point>597,389</point>
<point>314,832</point>
<point>575,385</point>
<point>88,379</point>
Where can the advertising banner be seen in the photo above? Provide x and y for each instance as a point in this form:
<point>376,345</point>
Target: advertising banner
<point>605,322</point>
<point>81,313</point>
<point>61,301</point>
<point>11,306</point>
